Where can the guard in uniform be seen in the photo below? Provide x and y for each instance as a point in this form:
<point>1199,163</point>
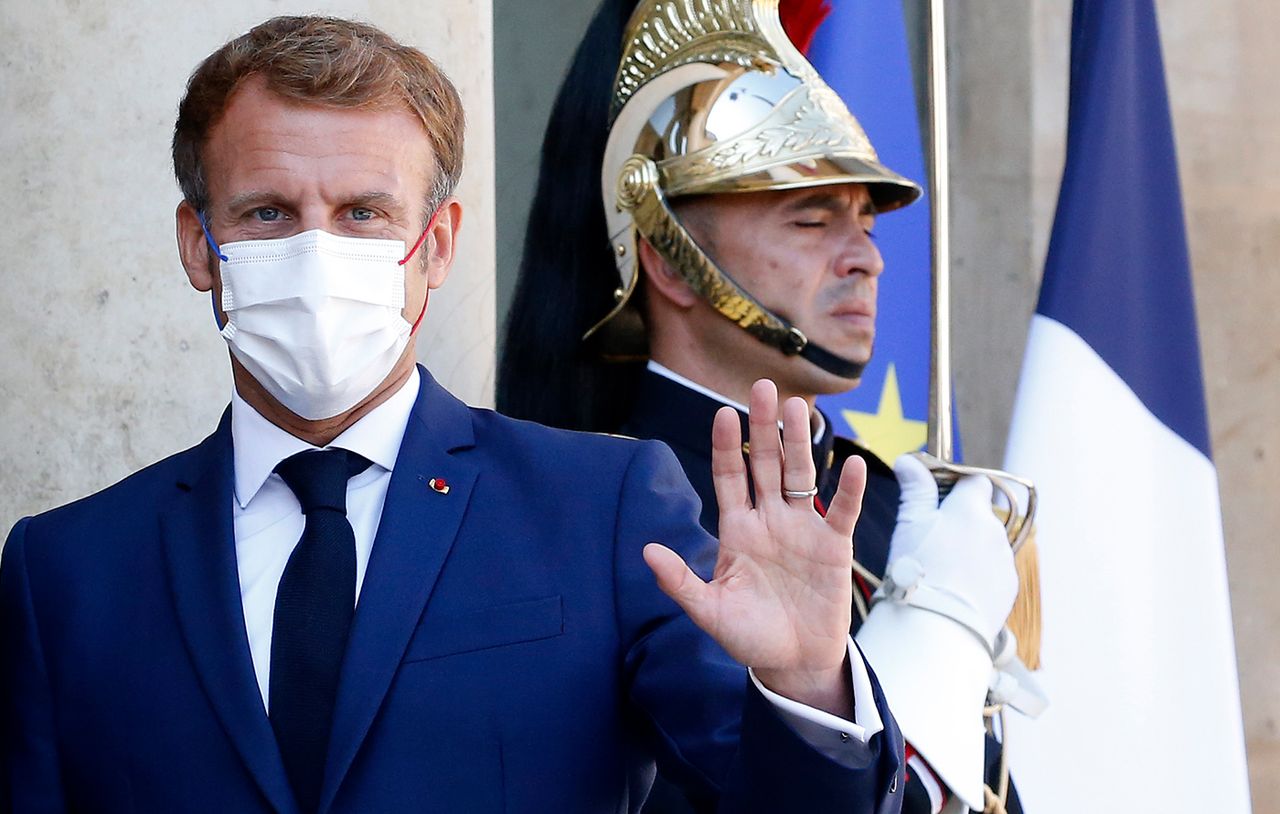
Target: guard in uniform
<point>670,112</point>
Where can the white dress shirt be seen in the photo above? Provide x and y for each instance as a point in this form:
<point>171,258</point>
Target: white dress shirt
<point>268,522</point>
<point>268,519</point>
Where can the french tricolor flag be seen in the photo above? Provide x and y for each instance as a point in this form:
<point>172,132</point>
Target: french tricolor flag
<point>1138,657</point>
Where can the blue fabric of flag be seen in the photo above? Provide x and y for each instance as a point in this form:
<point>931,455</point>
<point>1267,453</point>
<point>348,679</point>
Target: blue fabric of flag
<point>861,52</point>
<point>1118,272</point>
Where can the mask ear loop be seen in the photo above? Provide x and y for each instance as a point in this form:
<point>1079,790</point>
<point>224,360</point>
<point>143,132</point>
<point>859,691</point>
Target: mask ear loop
<point>421,238</point>
<point>213,244</point>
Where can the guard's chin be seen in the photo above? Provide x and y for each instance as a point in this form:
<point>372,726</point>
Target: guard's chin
<point>860,353</point>
<point>825,383</point>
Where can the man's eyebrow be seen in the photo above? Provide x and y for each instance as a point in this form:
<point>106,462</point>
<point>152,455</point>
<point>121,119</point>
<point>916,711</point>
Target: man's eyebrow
<point>253,196</point>
<point>384,199</point>
<point>265,196</point>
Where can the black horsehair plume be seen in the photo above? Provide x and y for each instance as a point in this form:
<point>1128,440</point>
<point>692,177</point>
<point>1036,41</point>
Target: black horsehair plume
<point>566,280</point>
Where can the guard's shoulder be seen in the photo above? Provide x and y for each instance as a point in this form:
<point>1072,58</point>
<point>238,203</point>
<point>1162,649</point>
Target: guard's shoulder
<point>876,467</point>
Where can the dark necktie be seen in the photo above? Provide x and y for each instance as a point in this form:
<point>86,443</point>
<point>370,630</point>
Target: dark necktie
<point>314,607</point>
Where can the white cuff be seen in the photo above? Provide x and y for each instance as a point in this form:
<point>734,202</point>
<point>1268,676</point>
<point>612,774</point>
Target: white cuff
<point>934,674</point>
<point>831,734</point>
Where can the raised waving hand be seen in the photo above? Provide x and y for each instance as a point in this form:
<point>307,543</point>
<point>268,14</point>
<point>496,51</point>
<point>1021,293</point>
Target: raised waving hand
<point>781,595</point>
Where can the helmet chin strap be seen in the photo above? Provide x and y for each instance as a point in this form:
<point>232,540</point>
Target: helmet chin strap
<point>793,342</point>
<point>828,361</point>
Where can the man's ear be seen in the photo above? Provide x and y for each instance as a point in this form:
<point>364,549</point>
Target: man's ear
<point>441,242</point>
<point>193,249</point>
<point>663,280</point>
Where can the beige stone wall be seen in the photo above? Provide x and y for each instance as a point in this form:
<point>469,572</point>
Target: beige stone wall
<point>111,360</point>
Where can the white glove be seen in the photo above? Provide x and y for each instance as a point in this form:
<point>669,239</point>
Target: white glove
<point>952,559</point>
<point>934,632</point>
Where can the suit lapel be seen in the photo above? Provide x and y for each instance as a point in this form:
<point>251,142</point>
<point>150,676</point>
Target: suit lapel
<point>200,556</point>
<point>415,535</point>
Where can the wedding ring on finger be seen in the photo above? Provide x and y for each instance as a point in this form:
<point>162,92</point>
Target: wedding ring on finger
<point>807,494</point>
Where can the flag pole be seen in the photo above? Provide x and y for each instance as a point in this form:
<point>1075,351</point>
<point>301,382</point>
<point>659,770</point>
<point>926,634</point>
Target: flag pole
<point>939,441</point>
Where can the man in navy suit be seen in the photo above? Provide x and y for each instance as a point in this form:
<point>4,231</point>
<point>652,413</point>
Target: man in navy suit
<point>359,594</point>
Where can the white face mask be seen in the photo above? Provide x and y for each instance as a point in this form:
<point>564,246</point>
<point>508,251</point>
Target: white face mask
<point>315,318</point>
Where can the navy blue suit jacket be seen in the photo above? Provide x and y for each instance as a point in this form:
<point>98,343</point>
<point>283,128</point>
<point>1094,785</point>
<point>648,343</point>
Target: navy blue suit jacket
<point>510,652</point>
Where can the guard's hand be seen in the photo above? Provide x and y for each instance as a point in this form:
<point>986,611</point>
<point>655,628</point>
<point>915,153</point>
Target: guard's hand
<point>781,596</point>
<point>959,548</point>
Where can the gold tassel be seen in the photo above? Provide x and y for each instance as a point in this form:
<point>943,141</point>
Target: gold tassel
<point>1024,619</point>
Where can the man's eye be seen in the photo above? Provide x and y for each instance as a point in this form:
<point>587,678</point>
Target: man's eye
<point>361,213</point>
<point>811,224</point>
<point>267,214</point>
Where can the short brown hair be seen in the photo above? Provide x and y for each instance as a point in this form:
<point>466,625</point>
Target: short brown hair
<point>324,61</point>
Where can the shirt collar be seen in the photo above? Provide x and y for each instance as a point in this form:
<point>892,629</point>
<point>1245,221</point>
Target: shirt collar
<point>258,445</point>
<point>818,420</point>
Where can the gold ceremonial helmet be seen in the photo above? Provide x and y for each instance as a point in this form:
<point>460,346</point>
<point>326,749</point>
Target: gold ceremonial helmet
<point>713,97</point>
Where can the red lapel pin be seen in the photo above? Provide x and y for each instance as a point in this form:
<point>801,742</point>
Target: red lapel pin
<point>439,485</point>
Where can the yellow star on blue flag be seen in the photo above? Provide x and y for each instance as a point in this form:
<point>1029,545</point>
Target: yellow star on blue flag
<point>887,432</point>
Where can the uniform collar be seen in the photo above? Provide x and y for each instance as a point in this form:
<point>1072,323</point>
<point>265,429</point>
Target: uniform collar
<point>679,411</point>
<point>819,421</point>
<point>258,445</point>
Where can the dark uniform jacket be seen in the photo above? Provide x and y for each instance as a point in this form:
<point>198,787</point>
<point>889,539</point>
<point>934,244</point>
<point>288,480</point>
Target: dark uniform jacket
<point>670,412</point>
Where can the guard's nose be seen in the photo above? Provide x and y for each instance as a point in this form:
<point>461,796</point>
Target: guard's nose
<point>860,254</point>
